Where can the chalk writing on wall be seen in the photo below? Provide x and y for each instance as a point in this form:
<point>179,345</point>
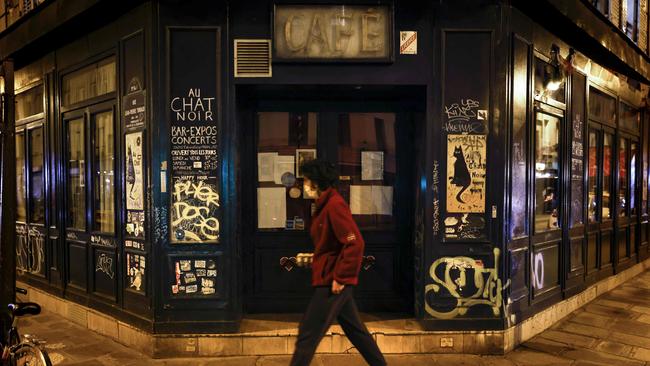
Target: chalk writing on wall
<point>466,165</point>
<point>195,277</point>
<point>454,274</point>
<point>195,164</point>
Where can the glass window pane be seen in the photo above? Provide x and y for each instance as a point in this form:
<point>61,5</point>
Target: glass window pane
<point>90,82</point>
<point>36,177</point>
<point>622,177</point>
<point>76,155</point>
<point>367,155</point>
<point>29,103</point>
<point>634,150</point>
<point>592,180</point>
<point>602,107</point>
<point>104,180</point>
<point>629,117</point>
<point>547,169</point>
<point>607,176</point>
<point>21,186</point>
<point>284,141</point>
<point>632,16</point>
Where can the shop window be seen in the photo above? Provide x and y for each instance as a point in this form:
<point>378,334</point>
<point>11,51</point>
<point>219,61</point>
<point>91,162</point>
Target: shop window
<point>76,158</point>
<point>92,81</point>
<point>602,6</point>
<point>367,163</point>
<point>104,167</point>
<point>36,177</point>
<point>631,25</point>
<point>547,169</point>
<point>285,141</point>
<point>622,178</point>
<point>592,179</point>
<point>607,176</point>
<point>602,107</point>
<point>629,117</point>
<point>21,183</point>
<point>634,151</point>
<point>29,103</point>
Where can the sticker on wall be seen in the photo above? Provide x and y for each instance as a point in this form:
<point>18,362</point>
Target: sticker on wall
<point>408,43</point>
<point>464,226</point>
<point>133,165</point>
<point>466,166</point>
<point>135,269</point>
<point>134,244</point>
<point>195,277</point>
<point>134,107</point>
<point>195,203</point>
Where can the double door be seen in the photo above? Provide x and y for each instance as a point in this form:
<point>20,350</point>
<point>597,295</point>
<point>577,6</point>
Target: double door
<point>372,147</point>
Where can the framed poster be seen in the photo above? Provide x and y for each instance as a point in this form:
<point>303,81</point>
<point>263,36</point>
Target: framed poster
<point>303,156</point>
<point>133,165</point>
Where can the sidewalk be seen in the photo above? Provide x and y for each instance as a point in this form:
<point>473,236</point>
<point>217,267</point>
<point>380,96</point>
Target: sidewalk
<point>613,330</point>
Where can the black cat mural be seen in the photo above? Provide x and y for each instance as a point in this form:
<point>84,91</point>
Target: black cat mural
<point>461,176</point>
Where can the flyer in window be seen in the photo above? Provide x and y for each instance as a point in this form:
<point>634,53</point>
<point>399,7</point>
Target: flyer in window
<point>372,165</point>
<point>303,156</point>
<point>282,164</point>
<point>265,163</point>
<point>134,185</point>
<point>271,207</point>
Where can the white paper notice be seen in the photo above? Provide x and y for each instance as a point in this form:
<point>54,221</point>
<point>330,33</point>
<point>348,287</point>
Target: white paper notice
<point>371,200</point>
<point>372,165</point>
<point>271,207</point>
<point>265,162</point>
<point>283,164</point>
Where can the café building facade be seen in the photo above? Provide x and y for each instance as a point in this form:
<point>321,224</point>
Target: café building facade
<point>494,155</point>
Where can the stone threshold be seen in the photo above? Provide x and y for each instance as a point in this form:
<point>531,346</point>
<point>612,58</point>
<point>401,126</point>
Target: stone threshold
<point>263,337</point>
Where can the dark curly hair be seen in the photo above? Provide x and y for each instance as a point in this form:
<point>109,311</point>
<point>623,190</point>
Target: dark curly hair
<point>321,172</point>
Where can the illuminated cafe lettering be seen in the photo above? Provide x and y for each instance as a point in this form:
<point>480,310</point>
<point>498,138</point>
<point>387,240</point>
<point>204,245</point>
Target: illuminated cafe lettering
<point>345,32</point>
<point>193,107</point>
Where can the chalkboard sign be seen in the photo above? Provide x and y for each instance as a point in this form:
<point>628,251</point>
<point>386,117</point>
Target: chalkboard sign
<point>194,122</point>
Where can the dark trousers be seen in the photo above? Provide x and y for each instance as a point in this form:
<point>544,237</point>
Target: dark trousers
<point>321,311</point>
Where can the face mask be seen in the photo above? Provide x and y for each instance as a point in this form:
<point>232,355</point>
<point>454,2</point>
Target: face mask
<point>309,192</point>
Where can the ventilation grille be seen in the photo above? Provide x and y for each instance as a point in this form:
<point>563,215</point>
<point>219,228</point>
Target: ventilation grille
<point>252,58</point>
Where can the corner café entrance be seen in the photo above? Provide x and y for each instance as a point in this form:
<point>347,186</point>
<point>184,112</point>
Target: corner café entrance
<point>369,134</point>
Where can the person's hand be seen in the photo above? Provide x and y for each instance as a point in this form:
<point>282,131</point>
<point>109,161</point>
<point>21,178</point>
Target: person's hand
<point>337,287</point>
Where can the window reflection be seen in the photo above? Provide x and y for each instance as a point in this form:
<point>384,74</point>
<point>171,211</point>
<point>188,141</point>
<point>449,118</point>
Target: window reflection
<point>21,186</point>
<point>622,177</point>
<point>592,181</point>
<point>91,81</point>
<point>76,156</point>
<point>36,177</point>
<point>607,176</point>
<point>367,160</point>
<point>29,103</point>
<point>103,164</point>
<point>547,138</point>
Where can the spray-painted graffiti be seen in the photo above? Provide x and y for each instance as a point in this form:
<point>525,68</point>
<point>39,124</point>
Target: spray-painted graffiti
<point>194,210</point>
<point>104,264</point>
<point>486,288</point>
<point>436,200</point>
<point>30,249</point>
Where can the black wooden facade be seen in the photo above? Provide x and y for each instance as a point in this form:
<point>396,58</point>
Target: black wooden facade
<point>556,176</point>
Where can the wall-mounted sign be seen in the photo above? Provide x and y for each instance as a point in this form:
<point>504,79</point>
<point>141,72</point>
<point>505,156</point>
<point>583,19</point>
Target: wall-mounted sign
<point>333,32</point>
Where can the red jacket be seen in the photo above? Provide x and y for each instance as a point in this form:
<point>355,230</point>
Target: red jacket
<point>338,243</point>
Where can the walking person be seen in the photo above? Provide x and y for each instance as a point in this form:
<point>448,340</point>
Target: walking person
<point>338,251</point>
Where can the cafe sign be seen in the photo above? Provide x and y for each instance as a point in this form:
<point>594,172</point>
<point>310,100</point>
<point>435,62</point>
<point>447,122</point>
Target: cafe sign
<point>332,33</point>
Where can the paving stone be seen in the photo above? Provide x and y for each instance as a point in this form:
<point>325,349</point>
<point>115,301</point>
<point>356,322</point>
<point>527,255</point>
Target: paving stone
<point>570,338</point>
<point>615,348</point>
<point>642,354</point>
<point>587,330</point>
<point>546,345</point>
<point>600,357</point>
<point>526,356</point>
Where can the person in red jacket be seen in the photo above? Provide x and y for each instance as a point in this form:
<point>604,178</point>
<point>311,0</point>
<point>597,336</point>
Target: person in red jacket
<point>338,251</point>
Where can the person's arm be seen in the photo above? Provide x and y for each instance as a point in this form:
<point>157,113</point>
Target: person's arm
<point>345,229</point>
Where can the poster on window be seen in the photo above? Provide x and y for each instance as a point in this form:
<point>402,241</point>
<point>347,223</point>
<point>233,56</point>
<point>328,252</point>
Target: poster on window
<point>133,166</point>
<point>135,269</point>
<point>466,165</point>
